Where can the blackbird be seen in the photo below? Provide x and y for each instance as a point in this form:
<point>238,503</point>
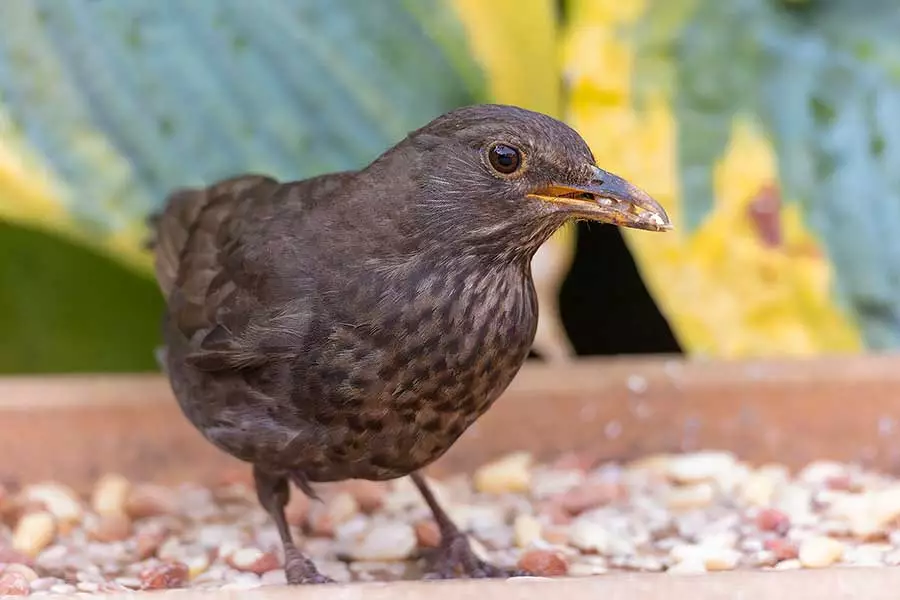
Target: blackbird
<point>354,324</point>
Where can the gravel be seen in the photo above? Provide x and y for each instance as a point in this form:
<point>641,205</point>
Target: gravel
<point>675,514</point>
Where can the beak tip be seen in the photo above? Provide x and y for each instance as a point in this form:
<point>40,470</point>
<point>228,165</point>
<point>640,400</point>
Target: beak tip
<point>659,221</point>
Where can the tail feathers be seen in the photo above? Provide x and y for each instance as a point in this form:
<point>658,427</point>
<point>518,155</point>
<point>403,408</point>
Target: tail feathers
<point>170,230</point>
<point>172,227</point>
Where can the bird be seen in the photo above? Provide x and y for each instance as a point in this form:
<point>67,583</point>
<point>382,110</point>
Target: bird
<point>354,324</point>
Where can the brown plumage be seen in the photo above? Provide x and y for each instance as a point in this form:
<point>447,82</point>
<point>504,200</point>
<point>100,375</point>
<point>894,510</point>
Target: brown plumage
<point>353,325</point>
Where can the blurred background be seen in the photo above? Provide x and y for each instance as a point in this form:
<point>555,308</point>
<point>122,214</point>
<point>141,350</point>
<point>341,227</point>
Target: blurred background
<point>770,130</point>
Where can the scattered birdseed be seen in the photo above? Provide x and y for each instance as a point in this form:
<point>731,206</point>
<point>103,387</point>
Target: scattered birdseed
<point>686,514</point>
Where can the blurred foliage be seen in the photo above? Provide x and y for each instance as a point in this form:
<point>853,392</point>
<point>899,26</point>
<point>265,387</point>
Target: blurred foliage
<point>109,105</point>
<point>125,100</point>
<point>82,301</point>
<point>663,91</point>
<point>765,126</point>
<point>821,80</point>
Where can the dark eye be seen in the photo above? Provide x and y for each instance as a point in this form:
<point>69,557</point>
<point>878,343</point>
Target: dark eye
<point>505,159</point>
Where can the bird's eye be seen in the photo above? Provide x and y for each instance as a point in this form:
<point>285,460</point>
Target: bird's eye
<point>504,159</point>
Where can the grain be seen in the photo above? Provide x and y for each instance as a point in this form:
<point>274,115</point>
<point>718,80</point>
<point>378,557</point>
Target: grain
<point>681,514</point>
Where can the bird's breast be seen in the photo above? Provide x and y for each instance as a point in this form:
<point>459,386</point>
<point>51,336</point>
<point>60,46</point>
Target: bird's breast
<point>432,362</point>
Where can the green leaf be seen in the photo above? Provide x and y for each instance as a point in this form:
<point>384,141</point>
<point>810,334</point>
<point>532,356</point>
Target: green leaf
<point>839,145</point>
<point>126,100</point>
<point>717,63</point>
<point>129,99</point>
<point>823,78</point>
<point>66,308</point>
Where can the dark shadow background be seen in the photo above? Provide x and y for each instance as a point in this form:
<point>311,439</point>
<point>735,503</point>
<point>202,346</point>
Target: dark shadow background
<point>605,306</point>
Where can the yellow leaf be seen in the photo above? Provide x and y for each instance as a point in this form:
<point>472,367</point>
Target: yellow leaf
<point>517,46</point>
<point>724,290</point>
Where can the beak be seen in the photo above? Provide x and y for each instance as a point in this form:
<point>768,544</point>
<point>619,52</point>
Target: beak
<point>609,199</point>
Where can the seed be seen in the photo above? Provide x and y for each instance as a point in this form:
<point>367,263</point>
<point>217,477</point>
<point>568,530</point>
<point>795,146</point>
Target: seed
<point>59,500</point>
<point>384,543</point>
<point>772,519</point>
<point>511,473</point>
<point>150,501</point>
<point>14,584</point>
<point>34,532</point>
<point>782,549</point>
<point>24,570</point>
<point>689,497</point>
<point>112,527</point>
<point>819,551</point>
<point>700,467</point>
<point>591,495</point>
<point>111,495</point>
<point>253,560</point>
<point>427,534</point>
<point>164,576</point>
<point>543,563</point>
<point>526,530</point>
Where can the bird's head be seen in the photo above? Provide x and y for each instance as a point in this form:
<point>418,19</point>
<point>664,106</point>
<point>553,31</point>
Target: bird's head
<point>503,175</point>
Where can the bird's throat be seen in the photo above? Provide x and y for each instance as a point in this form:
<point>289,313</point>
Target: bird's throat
<point>511,240</point>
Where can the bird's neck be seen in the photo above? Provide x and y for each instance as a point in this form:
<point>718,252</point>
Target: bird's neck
<point>510,242</point>
<point>436,218</point>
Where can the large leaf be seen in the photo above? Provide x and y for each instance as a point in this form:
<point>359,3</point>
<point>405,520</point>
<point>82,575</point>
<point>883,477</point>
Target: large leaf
<point>831,99</point>
<point>740,275</point>
<point>822,80</point>
<point>107,106</point>
<point>126,100</point>
<point>67,308</point>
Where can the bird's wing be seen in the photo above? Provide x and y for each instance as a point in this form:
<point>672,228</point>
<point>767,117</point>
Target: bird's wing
<point>214,264</point>
<point>187,215</point>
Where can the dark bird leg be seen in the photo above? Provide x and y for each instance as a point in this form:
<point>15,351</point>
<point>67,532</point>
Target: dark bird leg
<point>274,492</point>
<point>455,557</point>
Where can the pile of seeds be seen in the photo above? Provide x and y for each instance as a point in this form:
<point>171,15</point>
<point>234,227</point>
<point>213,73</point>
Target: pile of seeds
<point>687,513</point>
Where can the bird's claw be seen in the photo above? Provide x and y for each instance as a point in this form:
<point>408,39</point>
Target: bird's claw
<point>455,559</point>
<point>299,570</point>
<point>483,570</point>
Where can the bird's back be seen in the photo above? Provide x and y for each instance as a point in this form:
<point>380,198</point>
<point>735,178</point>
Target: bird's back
<point>216,250</point>
<point>202,218</point>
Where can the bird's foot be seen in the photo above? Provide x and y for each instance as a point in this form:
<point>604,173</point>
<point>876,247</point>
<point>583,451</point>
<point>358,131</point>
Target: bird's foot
<point>454,558</point>
<point>300,570</point>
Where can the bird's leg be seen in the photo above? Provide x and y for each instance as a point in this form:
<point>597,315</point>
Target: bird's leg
<point>274,492</point>
<point>455,557</point>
